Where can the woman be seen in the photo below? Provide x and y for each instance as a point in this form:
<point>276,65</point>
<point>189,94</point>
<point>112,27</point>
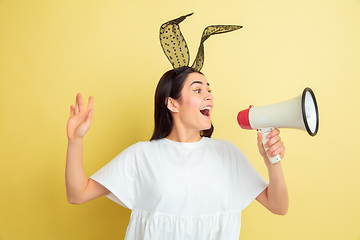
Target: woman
<point>182,184</point>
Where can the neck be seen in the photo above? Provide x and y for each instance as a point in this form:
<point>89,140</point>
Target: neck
<point>180,135</point>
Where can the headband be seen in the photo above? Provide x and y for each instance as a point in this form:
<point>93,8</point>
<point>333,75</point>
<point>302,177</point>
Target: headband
<point>175,48</point>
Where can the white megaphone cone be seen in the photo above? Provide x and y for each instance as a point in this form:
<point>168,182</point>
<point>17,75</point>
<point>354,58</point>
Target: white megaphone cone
<point>300,113</point>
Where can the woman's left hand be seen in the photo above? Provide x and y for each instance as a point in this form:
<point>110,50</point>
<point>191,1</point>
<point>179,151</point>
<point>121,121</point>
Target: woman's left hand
<point>275,145</point>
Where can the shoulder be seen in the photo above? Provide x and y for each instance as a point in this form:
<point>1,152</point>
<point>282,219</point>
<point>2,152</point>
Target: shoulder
<point>145,148</point>
<point>132,155</point>
<point>139,147</point>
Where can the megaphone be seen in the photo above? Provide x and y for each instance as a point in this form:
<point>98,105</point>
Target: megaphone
<point>300,112</point>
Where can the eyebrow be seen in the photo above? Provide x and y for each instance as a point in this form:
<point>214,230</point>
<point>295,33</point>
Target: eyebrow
<point>199,82</point>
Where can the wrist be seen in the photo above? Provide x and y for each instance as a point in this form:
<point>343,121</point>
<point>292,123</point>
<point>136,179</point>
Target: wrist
<point>275,172</point>
<point>270,165</point>
<point>75,140</point>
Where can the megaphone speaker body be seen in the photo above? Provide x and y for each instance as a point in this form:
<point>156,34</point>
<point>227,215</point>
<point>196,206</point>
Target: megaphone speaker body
<point>300,113</point>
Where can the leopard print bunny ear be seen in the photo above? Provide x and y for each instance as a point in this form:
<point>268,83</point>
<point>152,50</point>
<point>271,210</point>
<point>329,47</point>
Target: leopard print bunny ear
<point>175,48</point>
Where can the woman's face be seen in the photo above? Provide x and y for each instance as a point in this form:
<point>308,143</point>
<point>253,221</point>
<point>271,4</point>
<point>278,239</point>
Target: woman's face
<point>196,103</point>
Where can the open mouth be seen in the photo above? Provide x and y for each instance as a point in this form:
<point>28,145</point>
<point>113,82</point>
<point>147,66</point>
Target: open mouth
<point>205,111</point>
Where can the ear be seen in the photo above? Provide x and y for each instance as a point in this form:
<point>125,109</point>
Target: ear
<point>171,104</point>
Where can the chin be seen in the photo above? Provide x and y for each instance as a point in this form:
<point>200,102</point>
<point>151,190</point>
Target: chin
<point>206,127</point>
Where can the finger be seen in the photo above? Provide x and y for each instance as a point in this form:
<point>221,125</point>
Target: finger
<point>89,118</point>
<point>77,103</point>
<point>72,110</point>
<point>260,140</point>
<point>90,104</point>
<point>273,133</point>
<point>81,103</point>
<point>276,149</point>
<point>259,137</point>
<point>273,141</point>
<point>280,151</point>
<point>260,144</point>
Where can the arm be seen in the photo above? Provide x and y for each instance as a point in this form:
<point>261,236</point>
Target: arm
<point>79,188</point>
<point>275,196</point>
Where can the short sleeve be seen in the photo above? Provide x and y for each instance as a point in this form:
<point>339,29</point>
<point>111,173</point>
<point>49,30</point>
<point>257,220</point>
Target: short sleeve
<point>249,182</point>
<point>118,176</point>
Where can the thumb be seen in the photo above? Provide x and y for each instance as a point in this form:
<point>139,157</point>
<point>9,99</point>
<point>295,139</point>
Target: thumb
<point>260,145</point>
<point>89,117</point>
<point>259,138</point>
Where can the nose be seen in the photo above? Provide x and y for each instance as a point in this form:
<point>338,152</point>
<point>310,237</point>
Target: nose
<point>209,96</point>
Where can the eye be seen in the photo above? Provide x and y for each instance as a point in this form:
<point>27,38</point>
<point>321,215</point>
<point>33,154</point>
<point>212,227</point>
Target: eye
<point>209,90</point>
<point>197,90</point>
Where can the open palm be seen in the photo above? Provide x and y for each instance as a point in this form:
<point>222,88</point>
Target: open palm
<point>80,118</point>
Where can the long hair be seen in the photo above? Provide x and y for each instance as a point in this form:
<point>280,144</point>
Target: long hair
<point>170,85</point>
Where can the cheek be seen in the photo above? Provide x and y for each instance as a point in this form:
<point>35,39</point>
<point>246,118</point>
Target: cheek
<point>193,103</point>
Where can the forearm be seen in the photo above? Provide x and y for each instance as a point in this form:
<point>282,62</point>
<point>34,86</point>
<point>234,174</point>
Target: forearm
<point>76,179</point>
<point>277,193</point>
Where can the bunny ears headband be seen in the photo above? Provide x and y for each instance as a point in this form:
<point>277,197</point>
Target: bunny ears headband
<point>175,47</point>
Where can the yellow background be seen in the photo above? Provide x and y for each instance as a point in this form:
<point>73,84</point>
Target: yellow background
<point>51,50</point>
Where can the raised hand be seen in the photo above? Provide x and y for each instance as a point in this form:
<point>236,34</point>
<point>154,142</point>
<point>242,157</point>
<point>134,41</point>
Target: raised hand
<point>80,118</point>
<point>275,197</point>
<point>275,145</point>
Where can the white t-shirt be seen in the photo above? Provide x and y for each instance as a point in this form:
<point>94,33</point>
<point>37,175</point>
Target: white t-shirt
<point>180,191</point>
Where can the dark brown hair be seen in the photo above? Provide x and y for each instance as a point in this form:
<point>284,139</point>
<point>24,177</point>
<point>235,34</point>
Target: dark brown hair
<point>170,85</point>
